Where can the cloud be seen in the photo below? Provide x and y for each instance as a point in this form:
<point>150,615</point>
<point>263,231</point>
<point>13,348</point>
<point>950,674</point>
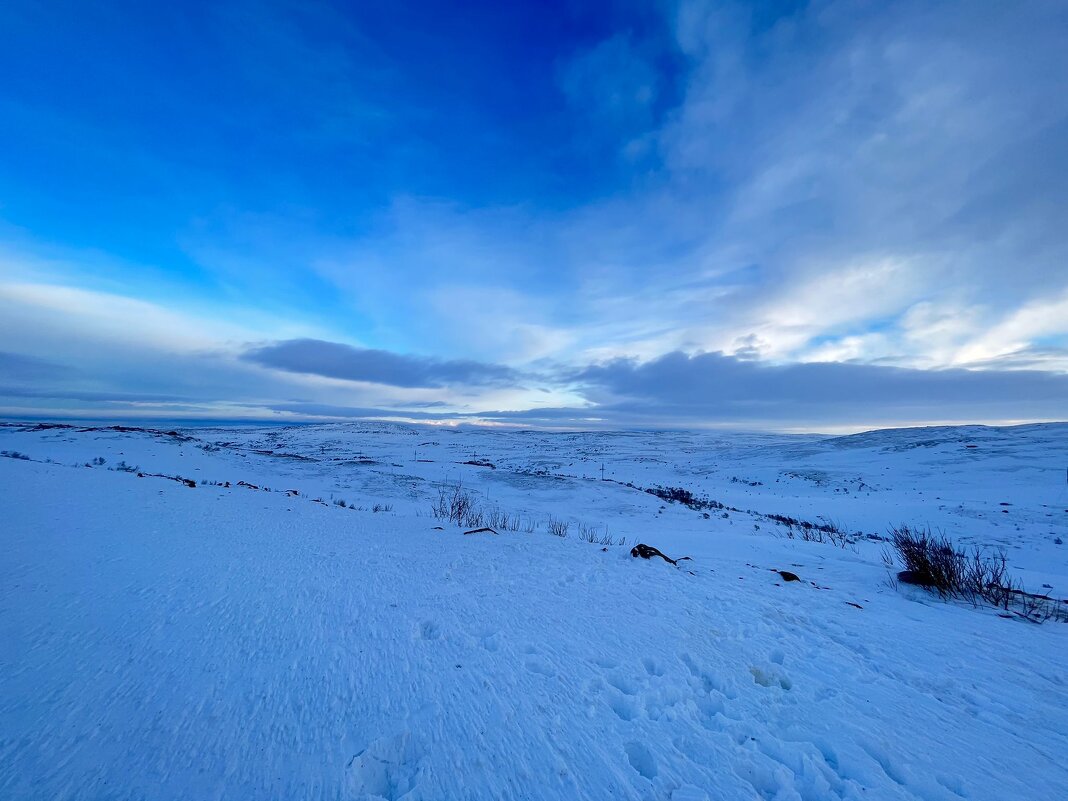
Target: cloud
<point>828,181</point>
<point>113,396</point>
<point>828,197</point>
<point>73,351</point>
<point>1019,329</point>
<point>27,368</point>
<point>842,136</point>
<point>614,86</point>
<point>716,387</point>
<point>337,360</point>
<point>1051,359</point>
<point>51,311</point>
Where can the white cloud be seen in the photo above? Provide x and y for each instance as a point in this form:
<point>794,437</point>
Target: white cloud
<point>1018,330</point>
<point>66,311</point>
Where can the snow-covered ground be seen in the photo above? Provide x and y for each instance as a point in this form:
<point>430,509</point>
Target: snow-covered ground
<point>259,640</point>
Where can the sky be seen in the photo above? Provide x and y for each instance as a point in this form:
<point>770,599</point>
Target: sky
<point>804,216</point>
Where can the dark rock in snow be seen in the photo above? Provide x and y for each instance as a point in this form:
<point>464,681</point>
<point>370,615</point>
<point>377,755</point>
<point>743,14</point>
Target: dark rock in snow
<point>648,552</point>
<point>911,577</point>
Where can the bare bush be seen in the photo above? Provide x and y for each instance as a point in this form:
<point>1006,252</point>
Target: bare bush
<point>824,531</point>
<point>933,562</point>
<point>685,497</point>
<point>453,506</point>
<point>592,535</point>
<point>459,507</point>
<point>930,560</point>
<point>558,528</point>
<point>503,521</point>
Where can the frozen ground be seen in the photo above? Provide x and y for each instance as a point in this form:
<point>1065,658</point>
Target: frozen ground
<point>167,642</point>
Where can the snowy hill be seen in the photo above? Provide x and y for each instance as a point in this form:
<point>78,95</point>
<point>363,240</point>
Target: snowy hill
<point>241,634</point>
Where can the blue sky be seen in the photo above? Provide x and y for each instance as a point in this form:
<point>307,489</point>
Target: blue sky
<point>813,216</point>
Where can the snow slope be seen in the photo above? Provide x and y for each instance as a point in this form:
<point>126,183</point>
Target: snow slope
<point>161,641</point>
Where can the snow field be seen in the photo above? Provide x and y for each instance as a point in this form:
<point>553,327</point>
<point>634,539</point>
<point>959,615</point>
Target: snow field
<point>158,641</point>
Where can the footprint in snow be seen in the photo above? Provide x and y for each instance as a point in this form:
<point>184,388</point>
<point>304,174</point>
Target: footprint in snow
<point>641,759</point>
<point>955,784</point>
<point>706,681</point>
<point>388,768</point>
<point>536,664</point>
<point>429,630</point>
<point>624,684</point>
<point>625,706</point>
<point>768,679</point>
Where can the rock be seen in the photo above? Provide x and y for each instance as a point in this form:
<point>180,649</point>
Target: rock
<point>648,552</point>
<point>912,577</point>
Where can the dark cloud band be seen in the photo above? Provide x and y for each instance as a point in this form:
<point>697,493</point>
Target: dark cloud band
<point>336,360</point>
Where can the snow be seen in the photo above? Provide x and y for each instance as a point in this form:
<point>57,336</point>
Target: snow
<point>161,641</point>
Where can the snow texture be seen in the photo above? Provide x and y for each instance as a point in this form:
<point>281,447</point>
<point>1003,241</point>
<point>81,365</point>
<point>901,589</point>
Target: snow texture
<point>261,641</point>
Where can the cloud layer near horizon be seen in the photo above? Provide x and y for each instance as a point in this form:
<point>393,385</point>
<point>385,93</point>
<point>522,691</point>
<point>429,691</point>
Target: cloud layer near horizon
<point>314,379</point>
<point>336,360</point>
